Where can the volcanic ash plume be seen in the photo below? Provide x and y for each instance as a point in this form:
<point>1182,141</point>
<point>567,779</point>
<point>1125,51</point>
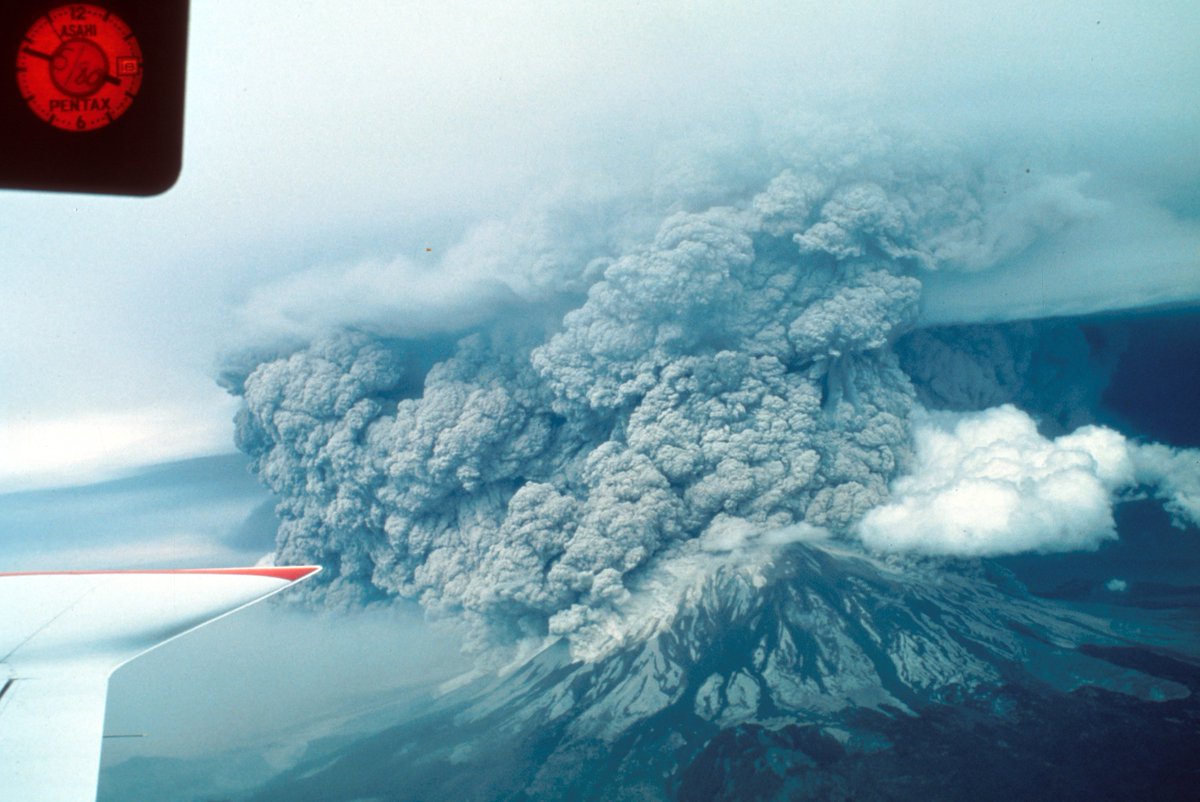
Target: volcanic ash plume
<point>732,373</point>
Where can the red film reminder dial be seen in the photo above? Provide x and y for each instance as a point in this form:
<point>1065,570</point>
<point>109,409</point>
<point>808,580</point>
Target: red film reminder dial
<point>79,67</point>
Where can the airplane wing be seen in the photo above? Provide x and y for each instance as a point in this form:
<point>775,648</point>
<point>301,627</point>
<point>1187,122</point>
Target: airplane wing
<point>62,635</point>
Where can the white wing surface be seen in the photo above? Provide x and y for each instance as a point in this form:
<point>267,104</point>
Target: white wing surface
<point>63,634</point>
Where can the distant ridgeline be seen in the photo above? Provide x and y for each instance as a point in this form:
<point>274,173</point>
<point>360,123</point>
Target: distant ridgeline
<point>843,679</point>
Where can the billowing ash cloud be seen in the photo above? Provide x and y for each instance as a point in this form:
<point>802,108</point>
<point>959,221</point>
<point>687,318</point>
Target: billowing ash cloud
<point>731,371</point>
<point>538,257</point>
<point>1051,369</point>
<point>988,483</point>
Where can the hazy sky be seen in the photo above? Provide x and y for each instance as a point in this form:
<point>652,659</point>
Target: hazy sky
<point>323,135</point>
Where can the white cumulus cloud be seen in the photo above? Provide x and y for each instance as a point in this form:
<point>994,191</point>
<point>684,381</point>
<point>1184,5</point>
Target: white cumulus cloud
<point>988,483</point>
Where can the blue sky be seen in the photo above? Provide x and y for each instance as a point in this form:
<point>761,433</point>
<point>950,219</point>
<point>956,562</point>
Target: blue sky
<point>372,131</point>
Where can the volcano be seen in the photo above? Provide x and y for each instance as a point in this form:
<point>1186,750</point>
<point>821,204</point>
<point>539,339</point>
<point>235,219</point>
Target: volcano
<point>727,484</point>
<point>824,674</point>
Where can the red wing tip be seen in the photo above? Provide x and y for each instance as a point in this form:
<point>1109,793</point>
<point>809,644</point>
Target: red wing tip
<point>290,573</point>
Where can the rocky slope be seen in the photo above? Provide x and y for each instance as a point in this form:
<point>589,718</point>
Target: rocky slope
<point>808,679</point>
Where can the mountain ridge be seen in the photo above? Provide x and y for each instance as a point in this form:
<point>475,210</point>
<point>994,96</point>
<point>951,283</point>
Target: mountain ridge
<point>822,666</point>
